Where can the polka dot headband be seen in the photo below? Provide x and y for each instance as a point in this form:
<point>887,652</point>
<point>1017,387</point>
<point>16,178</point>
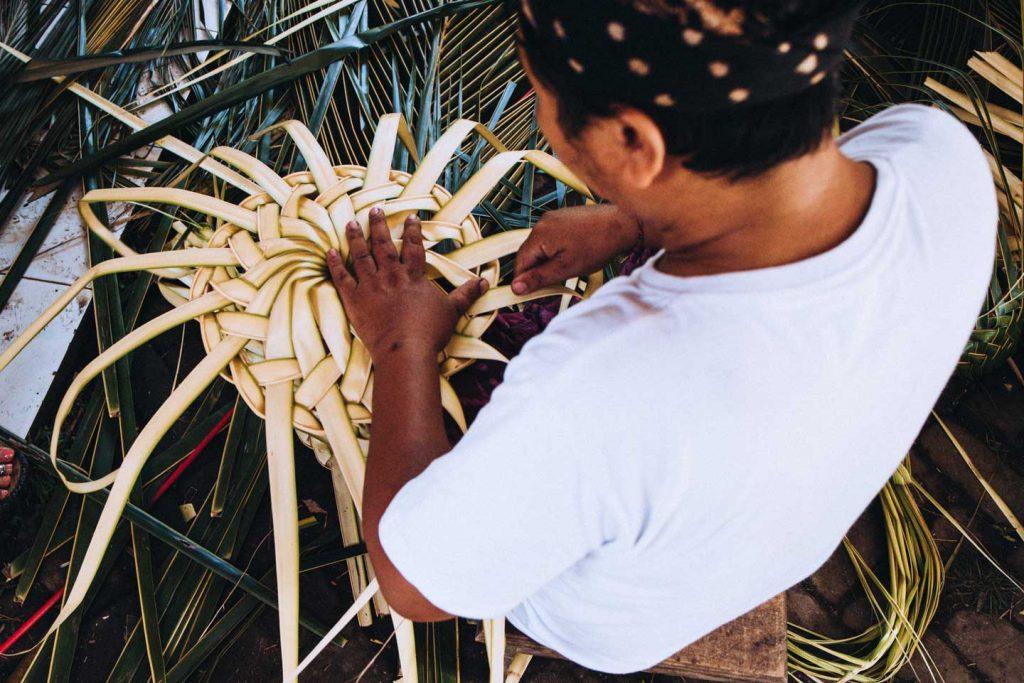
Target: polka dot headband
<point>686,55</point>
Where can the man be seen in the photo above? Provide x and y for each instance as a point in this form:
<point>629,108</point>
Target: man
<point>699,435</point>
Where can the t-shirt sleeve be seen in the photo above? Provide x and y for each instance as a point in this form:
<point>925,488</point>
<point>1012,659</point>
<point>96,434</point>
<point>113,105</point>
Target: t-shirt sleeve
<point>937,153</point>
<point>512,506</point>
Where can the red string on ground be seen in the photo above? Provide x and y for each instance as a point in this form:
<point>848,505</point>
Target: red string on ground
<point>31,621</point>
<point>183,465</point>
<point>178,471</point>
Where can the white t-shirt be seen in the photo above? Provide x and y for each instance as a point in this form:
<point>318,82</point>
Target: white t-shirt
<point>676,450</point>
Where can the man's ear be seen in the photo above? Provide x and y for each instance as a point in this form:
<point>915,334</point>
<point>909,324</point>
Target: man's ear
<point>631,145</point>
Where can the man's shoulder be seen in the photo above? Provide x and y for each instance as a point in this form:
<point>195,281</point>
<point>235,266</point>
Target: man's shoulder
<point>906,129</point>
<point>942,172</point>
<point>934,151</point>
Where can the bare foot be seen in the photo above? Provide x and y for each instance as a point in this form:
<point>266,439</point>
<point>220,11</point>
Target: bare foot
<point>10,470</point>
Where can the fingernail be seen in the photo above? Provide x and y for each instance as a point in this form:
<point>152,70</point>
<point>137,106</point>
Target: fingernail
<point>352,226</point>
<point>376,211</point>
<point>519,287</point>
<point>332,253</point>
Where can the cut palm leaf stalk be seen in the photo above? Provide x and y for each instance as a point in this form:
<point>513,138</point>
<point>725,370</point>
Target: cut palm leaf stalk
<point>226,468</point>
<point>494,638</point>
<point>518,667</point>
<point>273,324</point>
<point>904,606</point>
<point>348,522</point>
<point>360,602</point>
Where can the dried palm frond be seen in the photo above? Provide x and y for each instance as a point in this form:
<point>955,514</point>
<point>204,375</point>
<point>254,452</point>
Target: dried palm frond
<point>997,332</point>
<point>904,605</point>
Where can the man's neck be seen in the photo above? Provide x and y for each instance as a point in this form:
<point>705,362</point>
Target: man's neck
<point>794,211</point>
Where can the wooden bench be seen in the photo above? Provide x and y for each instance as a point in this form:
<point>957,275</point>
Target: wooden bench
<point>750,648</point>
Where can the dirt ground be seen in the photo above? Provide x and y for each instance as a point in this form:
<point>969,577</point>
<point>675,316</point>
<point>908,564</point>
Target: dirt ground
<point>978,634</point>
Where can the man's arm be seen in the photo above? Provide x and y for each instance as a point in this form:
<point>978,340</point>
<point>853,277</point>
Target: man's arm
<point>404,320</point>
<point>576,241</point>
<point>407,435</point>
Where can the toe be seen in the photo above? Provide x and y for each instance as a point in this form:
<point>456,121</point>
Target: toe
<point>5,482</point>
<point>6,455</point>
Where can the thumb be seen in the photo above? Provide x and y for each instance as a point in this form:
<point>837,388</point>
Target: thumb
<point>547,273</point>
<point>463,296</point>
<point>531,253</point>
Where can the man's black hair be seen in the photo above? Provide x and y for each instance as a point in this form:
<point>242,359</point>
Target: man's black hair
<point>735,142</point>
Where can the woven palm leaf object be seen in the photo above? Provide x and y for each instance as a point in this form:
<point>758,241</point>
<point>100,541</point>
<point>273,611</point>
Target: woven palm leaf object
<point>998,329</point>
<point>273,324</point>
<point>995,336</point>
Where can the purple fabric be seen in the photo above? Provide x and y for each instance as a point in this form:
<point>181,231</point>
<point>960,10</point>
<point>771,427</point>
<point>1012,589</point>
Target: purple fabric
<point>510,331</point>
<point>635,259</point>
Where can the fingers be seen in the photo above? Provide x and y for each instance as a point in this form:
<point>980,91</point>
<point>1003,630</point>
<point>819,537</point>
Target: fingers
<point>362,260</point>
<point>537,264</point>
<point>6,458</point>
<point>465,294</point>
<point>531,253</point>
<point>413,255</point>
<point>343,280</point>
<point>384,253</point>
<point>547,273</point>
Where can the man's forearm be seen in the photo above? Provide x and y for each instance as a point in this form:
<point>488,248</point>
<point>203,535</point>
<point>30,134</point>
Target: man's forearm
<point>407,435</point>
<point>408,426</point>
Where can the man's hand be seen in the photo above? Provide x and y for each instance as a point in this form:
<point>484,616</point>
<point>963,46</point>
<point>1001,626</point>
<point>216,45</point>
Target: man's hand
<point>388,299</point>
<point>571,242</point>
